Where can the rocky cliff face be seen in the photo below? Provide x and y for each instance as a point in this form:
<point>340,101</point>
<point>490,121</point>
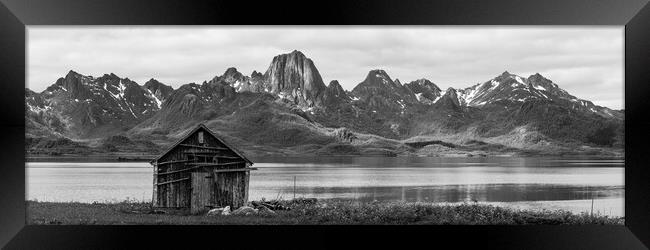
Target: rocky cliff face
<point>294,76</point>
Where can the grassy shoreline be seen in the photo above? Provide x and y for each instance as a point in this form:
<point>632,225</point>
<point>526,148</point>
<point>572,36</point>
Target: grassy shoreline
<point>320,212</point>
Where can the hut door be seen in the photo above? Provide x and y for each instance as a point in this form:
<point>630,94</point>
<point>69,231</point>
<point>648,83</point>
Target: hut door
<point>202,186</point>
<point>230,189</point>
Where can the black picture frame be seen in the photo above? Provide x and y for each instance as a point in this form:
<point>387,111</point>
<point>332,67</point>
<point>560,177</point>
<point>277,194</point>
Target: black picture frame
<point>633,14</point>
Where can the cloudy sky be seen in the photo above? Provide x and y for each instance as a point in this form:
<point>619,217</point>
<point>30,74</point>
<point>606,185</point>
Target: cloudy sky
<point>586,61</point>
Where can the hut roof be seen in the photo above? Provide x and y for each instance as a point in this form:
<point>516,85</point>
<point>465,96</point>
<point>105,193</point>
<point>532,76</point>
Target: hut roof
<point>211,133</point>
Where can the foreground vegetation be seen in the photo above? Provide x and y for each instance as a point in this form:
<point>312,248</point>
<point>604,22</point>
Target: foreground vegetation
<point>320,212</point>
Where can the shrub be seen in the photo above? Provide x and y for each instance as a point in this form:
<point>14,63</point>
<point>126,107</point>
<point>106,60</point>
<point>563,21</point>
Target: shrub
<point>603,136</point>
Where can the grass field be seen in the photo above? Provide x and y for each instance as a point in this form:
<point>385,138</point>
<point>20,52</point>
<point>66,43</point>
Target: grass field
<point>321,212</point>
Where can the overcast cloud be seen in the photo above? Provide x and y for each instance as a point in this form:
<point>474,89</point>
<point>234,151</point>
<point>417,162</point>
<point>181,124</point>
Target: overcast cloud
<point>585,61</point>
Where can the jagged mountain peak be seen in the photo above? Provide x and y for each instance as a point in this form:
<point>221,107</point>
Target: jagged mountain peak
<point>449,99</point>
<point>75,75</point>
<point>423,82</point>
<point>72,73</point>
<point>378,77</point>
<point>380,92</point>
<point>335,88</point>
<point>74,84</point>
<point>546,87</point>
<point>538,81</point>
<point>231,70</point>
<point>537,77</point>
<point>231,77</point>
<point>297,52</point>
<point>425,91</point>
<point>334,84</point>
<point>159,91</point>
<point>231,74</point>
<point>154,85</point>
<point>334,94</point>
<point>152,81</point>
<point>378,73</point>
<point>296,76</point>
<point>507,75</point>
<point>111,76</point>
<point>295,55</point>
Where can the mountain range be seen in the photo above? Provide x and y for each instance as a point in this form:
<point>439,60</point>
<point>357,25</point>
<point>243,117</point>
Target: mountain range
<point>289,109</point>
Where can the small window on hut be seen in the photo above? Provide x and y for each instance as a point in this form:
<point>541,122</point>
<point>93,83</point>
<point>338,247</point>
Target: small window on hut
<point>200,137</point>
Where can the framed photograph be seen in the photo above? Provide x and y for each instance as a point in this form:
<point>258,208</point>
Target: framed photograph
<point>501,124</point>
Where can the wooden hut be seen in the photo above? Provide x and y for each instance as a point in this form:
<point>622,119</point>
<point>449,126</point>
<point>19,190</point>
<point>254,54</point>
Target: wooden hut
<point>200,171</point>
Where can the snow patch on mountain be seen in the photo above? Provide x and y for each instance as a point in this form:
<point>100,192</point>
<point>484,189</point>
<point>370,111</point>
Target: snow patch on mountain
<point>539,88</point>
<point>467,96</point>
<point>442,93</point>
<point>153,97</point>
<point>494,85</point>
<point>418,96</point>
<point>37,109</point>
<point>237,85</point>
<point>519,79</point>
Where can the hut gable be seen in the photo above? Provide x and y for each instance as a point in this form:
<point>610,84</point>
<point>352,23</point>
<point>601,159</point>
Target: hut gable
<point>200,171</point>
<point>210,140</point>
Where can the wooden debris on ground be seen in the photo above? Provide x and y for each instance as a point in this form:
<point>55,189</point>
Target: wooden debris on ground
<point>271,205</point>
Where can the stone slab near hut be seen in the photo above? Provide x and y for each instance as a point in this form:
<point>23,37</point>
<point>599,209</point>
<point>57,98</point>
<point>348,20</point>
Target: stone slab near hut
<point>200,172</point>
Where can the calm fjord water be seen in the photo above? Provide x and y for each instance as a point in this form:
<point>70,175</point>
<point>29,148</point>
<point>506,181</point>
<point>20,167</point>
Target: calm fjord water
<point>531,183</point>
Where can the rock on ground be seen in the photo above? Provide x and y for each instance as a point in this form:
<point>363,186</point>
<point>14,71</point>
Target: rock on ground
<point>216,211</point>
<point>245,210</point>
